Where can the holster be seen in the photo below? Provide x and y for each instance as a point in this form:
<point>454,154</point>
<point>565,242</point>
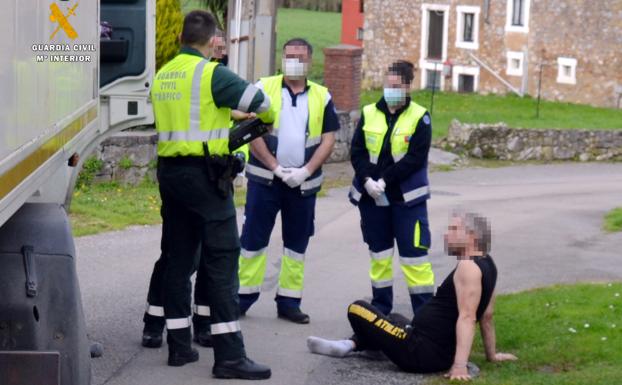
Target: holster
<point>221,170</point>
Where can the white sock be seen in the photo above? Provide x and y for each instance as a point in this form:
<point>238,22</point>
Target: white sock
<point>333,348</point>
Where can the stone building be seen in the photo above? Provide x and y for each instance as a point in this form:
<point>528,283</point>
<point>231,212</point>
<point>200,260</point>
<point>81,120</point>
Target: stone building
<point>499,46</point>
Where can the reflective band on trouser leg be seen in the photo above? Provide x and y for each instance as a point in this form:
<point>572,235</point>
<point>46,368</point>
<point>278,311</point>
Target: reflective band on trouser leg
<point>417,237</point>
<point>292,275</point>
<point>252,271</point>
<point>381,271</point>
<point>202,310</point>
<point>419,275</point>
<point>156,311</point>
<point>225,327</point>
<point>178,323</point>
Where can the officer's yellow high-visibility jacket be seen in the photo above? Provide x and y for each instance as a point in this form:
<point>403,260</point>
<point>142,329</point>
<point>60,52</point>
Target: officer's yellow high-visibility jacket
<point>192,100</point>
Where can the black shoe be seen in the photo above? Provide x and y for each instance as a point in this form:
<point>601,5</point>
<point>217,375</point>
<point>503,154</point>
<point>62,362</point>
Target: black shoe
<point>293,314</point>
<point>243,368</point>
<point>204,339</point>
<point>152,339</point>
<point>182,358</point>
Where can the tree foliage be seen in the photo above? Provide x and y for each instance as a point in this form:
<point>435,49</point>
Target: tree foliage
<point>169,21</point>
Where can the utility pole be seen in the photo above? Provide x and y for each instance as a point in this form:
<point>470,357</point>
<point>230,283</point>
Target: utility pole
<point>434,78</point>
<point>251,35</point>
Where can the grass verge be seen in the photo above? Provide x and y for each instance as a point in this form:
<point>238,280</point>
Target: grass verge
<point>613,220</point>
<point>568,335</point>
<point>516,112</point>
<point>111,206</point>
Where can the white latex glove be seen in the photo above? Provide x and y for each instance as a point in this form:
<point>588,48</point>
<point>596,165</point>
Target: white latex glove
<point>382,184</point>
<point>373,188</point>
<point>296,176</point>
<point>280,172</point>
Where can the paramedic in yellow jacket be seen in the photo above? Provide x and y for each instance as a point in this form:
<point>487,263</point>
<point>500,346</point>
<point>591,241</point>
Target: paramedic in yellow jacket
<point>284,174</point>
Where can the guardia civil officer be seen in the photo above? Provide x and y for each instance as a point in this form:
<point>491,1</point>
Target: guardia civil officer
<point>153,318</point>
<point>192,99</point>
<point>390,158</point>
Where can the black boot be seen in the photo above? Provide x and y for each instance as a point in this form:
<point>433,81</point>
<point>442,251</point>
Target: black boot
<point>181,358</point>
<point>152,331</point>
<point>152,339</point>
<point>203,338</point>
<point>293,314</point>
<point>243,368</point>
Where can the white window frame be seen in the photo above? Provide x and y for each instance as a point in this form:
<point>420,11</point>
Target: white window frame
<point>561,77</point>
<point>511,55</point>
<point>425,26</point>
<point>360,34</point>
<point>433,66</point>
<point>460,43</point>
<point>508,19</point>
<point>464,70</point>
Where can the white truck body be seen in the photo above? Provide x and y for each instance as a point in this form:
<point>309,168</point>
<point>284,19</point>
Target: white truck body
<point>63,90</point>
<point>51,109</point>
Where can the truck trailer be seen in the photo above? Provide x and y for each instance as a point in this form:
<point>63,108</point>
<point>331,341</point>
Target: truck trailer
<point>72,73</point>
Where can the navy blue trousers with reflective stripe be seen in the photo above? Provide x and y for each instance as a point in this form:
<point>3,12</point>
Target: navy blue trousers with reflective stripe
<point>263,203</point>
<point>382,227</point>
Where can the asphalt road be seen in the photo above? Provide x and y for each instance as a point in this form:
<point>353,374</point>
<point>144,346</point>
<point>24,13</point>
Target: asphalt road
<point>546,223</point>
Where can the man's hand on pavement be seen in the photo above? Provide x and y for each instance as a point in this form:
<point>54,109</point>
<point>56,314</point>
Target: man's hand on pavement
<point>459,373</point>
<point>499,357</point>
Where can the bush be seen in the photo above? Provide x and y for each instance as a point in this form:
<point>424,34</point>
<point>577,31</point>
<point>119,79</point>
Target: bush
<point>169,22</point>
<point>90,168</point>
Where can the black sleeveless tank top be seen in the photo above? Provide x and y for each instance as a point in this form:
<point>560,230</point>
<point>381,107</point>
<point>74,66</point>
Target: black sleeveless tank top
<point>436,320</point>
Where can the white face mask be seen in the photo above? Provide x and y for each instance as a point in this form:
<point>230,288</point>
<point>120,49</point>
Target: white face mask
<point>293,68</point>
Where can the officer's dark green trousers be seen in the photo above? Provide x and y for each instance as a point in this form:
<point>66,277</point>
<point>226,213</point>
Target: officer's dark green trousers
<point>194,215</point>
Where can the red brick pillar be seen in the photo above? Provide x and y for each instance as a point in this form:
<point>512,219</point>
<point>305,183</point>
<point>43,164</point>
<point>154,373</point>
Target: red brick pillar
<point>342,75</point>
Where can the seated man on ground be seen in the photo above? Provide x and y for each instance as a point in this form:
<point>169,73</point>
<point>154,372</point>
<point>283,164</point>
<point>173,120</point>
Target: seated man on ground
<point>440,336</point>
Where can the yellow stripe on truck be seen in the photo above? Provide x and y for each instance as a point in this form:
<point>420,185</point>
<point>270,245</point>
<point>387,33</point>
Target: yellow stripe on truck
<point>13,177</point>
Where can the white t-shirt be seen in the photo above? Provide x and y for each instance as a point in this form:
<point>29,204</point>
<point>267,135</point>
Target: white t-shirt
<point>292,131</point>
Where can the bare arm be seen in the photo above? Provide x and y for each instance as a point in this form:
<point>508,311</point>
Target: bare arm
<point>322,153</point>
<point>260,150</point>
<point>487,328</point>
<point>468,283</point>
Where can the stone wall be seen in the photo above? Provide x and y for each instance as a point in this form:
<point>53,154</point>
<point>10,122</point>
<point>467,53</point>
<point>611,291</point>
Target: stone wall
<point>497,141</point>
<point>589,31</point>
<point>130,157</point>
<point>127,157</point>
<point>348,122</point>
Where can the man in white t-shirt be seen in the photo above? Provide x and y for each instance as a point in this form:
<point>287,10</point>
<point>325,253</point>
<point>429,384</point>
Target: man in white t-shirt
<point>284,174</point>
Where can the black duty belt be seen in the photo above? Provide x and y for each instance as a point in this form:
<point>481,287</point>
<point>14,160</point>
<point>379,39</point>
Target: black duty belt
<point>190,161</point>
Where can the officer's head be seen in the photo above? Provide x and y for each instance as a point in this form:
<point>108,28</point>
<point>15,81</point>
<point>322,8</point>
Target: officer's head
<point>467,234</point>
<point>220,45</point>
<point>199,32</point>
<point>397,82</point>
<point>297,54</point>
